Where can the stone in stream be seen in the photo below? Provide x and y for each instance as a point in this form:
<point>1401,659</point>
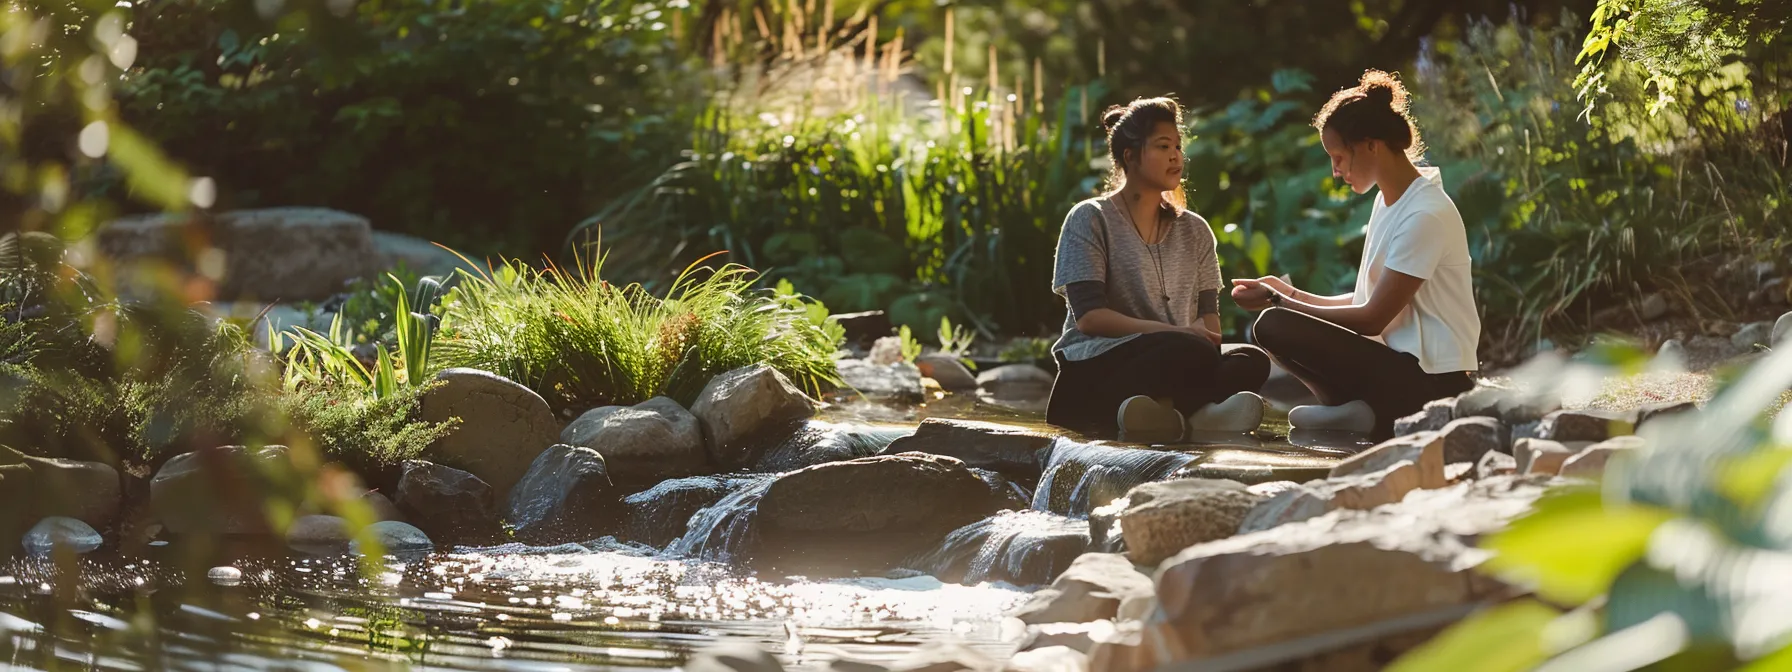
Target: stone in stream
<point>319,535</point>
<point>1096,586</point>
<point>1165,517</point>
<point>216,491</point>
<point>739,408</point>
<point>947,371</point>
<point>566,496</point>
<point>1006,494</point>
<point>1081,477</point>
<point>1587,425</point>
<point>1316,498</point>
<point>1496,464</point>
<point>1467,439</point>
<point>1653,307</point>
<point>1751,335</point>
<point>1432,417</point>
<point>1345,570</point>
<point>43,538</point>
<point>1590,463</point>
<point>816,442</point>
<point>1425,449</point>
<point>447,503</point>
<point>395,538</point>
<point>1511,406</point>
<point>898,382</point>
<point>1019,547</point>
<point>733,657</point>
<point>1543,456</point>
<point>659,515</point>
<point>503,426</point>
<point>866,513</point>
<point>1017,452</point>
<point>381,506</point>
<point>642,444</point>
<point>1018,382</point>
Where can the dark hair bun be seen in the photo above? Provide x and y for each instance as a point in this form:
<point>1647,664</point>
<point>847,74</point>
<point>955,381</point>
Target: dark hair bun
<point>1113,117</point>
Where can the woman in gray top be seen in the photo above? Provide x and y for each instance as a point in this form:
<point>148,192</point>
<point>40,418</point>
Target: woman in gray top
<point>1141,347</point>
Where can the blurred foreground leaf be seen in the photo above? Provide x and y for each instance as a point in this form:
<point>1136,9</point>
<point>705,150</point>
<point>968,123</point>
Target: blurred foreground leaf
<point>1505,638</point>
<point>1573,545</point>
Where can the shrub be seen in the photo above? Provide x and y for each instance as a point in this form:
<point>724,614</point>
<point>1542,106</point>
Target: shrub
<point>483,124</point>
<point>581,342</point>
<point>367,432</point>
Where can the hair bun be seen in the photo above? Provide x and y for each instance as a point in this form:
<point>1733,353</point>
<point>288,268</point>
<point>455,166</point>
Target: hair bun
<point>1381,88</point>
<point>1113,116</point>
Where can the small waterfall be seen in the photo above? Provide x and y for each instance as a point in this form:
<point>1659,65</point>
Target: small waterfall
<point>722,531</point>
<point>1081,477</point>
<point>1019,547</point>
<point>817,442</point>
<point>659,515</point>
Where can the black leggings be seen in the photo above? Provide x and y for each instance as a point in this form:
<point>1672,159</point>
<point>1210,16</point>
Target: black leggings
<point>1184,368</point>
<point>1342,366</point>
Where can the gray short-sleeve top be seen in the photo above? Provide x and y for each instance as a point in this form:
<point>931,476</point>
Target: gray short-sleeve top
<point>1159,282</point>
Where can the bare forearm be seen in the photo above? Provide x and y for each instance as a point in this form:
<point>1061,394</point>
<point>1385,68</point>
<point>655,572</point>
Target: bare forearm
<point>1353,317</point>
<point>1212,322</point>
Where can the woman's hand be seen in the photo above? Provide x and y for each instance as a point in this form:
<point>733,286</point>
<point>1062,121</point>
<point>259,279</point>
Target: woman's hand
<point>1252,294</point>
<point>1202,331</point>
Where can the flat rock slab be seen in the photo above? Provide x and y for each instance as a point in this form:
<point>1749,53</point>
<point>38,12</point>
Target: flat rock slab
<point>1165,517</point>
<point>1094,587</point>
<point>1425,449</point>
<point>1016,451</point>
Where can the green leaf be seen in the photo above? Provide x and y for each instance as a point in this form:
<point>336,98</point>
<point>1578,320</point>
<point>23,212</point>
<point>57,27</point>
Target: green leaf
<point>1260,251</point>
<point>151,175</point>
<point>1508,637</point>
<point>1573,545</point>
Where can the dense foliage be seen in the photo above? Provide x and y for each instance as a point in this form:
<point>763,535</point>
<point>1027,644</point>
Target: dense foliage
<point>488,124</point>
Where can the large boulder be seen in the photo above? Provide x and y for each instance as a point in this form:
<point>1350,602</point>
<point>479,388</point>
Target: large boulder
<point>1165,517</point>
<point>1096,586</point>
<point>868,512</point>
<point>288,254</point>
<point>503,426</point>
<point>446,502</point>
<point>86,491</point>
<point>738,409</point>
<point>566,496</point>
<point>642,444</point>
<point>1015,451</point>
<point>216,491</point>
<point>1348,570</point>
<point>1019,547</point>
<point>894,382</point>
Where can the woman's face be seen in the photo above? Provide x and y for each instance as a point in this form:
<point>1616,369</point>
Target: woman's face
<point>1352,164</point>
<point>1158,166</point>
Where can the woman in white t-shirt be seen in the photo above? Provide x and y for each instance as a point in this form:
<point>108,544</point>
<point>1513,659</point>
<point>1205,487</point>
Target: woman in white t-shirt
<point>1408,332</point>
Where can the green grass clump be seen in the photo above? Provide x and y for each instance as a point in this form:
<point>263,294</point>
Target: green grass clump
<point>582,343</point>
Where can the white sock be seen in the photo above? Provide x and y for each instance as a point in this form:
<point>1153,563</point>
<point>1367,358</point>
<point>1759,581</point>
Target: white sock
<point>1241,412</point>
<point>1355,416</point>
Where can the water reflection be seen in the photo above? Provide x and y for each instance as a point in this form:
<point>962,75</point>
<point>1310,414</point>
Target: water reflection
<point>595,606</point>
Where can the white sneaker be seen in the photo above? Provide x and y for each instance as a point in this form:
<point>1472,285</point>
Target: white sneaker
<point>1145,420</point>
<point>1355,416</point>
<point>1241,412</point>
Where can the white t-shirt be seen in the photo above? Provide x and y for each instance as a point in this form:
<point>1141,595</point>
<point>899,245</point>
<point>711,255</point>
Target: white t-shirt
<point>1422,235</point>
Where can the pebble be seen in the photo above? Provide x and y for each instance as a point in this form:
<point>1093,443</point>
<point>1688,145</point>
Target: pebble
<point>47,534</point>
<point>225,576</point>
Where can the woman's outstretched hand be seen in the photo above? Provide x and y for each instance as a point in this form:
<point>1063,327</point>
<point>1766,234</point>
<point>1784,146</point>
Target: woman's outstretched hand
<point>1253,294</point>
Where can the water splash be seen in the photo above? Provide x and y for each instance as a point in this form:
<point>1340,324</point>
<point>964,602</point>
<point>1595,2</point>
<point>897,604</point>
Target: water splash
<point>1080,477</point>
<point>660,515</point>
<point>1018,547</point>
<point>723,531</point>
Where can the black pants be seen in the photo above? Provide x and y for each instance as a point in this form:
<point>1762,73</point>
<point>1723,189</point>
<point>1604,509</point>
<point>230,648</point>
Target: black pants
<point>1342,366</point>
<point>1184,368</point>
